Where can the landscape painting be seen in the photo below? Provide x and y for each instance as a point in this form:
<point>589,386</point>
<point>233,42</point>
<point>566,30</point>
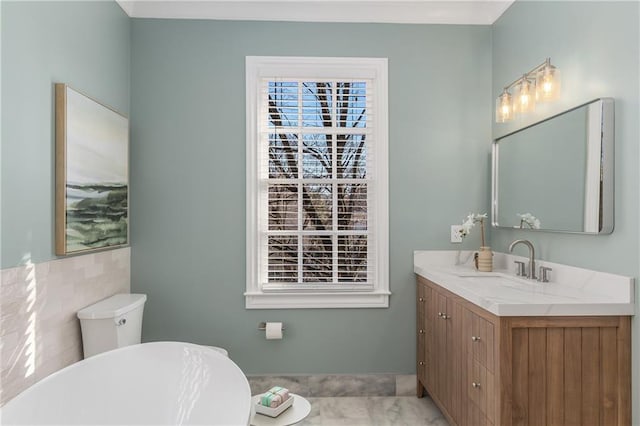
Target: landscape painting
<point>92,174</point>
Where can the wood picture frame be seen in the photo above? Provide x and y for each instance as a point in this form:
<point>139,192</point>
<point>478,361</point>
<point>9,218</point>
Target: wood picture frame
<point>92,174</point>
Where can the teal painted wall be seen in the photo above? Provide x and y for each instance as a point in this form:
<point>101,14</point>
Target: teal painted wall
<point>188,181</point>
<point>83,44</point>
<point>597,47</point>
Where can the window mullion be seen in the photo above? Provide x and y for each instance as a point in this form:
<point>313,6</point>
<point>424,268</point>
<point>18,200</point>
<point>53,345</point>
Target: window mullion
<point>300,164</point>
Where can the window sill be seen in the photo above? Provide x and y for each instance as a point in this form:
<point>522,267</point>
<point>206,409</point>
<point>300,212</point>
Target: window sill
<point>307,300</point>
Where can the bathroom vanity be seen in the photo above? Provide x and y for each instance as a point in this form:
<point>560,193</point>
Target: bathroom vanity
<point>495,349</point>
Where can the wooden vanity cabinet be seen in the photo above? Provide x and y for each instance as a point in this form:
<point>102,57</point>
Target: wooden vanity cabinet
<point>481,369</point>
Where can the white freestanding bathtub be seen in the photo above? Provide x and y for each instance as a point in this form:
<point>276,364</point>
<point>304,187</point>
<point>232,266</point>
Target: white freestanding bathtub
<point>161,383</point>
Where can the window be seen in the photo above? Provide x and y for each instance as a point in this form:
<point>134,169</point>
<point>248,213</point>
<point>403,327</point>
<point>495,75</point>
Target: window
<point>317,213</point>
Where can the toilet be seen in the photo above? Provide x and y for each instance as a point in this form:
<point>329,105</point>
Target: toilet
<point>115,322</point>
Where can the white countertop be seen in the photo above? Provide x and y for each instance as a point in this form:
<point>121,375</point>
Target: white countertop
<point>571,291</point>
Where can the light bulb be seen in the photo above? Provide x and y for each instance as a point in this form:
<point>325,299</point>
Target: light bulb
<point>504,111</point>
<point>548,83</point>
<point>524,97</point>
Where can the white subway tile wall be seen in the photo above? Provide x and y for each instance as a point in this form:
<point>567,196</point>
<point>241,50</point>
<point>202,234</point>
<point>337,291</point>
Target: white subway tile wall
<point>39,330</point>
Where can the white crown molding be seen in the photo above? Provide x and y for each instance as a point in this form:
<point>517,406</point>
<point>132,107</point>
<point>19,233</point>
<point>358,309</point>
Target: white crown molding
<point>474,12</point>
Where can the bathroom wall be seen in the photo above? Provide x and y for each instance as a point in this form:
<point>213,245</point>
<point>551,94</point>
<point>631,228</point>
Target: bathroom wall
<point>83,44</point>
<point>188,183</point>
<point>87,45</point>
<point>597,47</point>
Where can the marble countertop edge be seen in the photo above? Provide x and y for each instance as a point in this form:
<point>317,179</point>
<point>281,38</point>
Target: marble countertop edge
<point>503,294</point>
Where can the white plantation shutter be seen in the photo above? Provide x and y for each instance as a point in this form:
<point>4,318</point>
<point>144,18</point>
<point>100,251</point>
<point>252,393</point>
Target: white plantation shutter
<point>317,231</point>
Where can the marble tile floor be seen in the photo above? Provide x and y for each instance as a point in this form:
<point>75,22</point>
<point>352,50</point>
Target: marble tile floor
<point>358,400</point>
<point>338,385</point>
<point>373,411</point>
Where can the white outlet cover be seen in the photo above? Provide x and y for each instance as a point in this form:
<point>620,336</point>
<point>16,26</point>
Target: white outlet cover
<point>456,237</point>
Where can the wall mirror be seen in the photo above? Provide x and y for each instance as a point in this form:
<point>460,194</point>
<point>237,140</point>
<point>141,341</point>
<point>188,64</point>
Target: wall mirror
<point>557,175</point>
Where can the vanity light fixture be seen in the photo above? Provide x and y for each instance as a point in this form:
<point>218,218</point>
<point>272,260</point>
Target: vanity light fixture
<point>504,109</point>
<point>541,84</point>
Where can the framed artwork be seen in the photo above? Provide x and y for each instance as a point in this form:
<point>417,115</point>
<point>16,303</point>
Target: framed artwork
<point>92,174</point>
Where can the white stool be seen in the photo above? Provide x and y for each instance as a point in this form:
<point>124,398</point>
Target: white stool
<point>292,415</point>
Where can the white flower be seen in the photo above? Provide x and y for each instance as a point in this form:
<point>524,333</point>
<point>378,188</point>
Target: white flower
<point>529,219</point>
<point>470,222</point>
<point>467,226</point>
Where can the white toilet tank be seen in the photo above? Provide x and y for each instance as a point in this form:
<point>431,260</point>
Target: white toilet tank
<point>112,323</point>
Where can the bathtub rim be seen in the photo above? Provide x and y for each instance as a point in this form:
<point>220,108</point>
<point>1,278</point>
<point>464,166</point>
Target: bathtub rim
<point>96,358</point>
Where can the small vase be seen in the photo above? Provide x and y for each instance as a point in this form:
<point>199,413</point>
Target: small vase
<point>485,259</point>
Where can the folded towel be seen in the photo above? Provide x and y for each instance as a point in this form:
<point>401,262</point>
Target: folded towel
<point>271,400</point>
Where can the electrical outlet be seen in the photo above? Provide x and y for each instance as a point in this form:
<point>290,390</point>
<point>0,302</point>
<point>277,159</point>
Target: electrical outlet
<point>456,236</point>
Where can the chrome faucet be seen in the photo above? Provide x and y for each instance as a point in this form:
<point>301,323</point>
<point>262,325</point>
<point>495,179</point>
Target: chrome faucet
<point>531,273</point>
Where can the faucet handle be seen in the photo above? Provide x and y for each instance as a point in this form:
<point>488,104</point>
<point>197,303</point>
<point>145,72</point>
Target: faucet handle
<point>520,269</point>
<point>544,276</point>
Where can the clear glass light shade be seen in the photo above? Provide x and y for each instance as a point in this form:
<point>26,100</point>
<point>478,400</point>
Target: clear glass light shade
<point>548,83</point>
<point>524,96</point>
<point>504,108</point>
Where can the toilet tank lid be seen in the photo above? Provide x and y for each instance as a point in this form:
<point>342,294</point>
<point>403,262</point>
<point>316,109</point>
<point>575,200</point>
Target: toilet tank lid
<point>113,306</point>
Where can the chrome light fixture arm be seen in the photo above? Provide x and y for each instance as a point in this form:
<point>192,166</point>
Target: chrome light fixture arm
<point>528,75</point>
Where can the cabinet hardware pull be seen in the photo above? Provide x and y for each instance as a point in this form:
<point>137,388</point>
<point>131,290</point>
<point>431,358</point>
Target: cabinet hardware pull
<point>421,363</point>
<point>421,332</point>
<point>475,338</point>
<point>421,299</point>
<point>440,314</point>
<point>445,316</point>
<point>475,385</point>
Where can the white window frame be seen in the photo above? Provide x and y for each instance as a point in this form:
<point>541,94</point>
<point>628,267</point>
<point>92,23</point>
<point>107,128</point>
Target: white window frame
<point>258,67</point>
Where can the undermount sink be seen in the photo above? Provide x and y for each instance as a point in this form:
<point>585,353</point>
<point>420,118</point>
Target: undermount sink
<point>495,277</point>
<point>477,274</point>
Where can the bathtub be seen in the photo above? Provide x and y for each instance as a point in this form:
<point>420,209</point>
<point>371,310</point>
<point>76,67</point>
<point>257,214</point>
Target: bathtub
<point>160,383</point>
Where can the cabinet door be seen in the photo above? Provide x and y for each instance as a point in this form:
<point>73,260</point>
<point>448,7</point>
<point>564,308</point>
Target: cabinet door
<point>455,361</point>
<point>570,371</point>
<point>428,326</point>
<point>442,371</point>
<point>421,335</point>
<point>432,322</point>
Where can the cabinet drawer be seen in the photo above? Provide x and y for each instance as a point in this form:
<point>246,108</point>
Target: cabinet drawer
<point>481,389</point>
<point>420,302</point>
<point>421,358</point>
<point>475,416</point>
<point>479,335</point>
